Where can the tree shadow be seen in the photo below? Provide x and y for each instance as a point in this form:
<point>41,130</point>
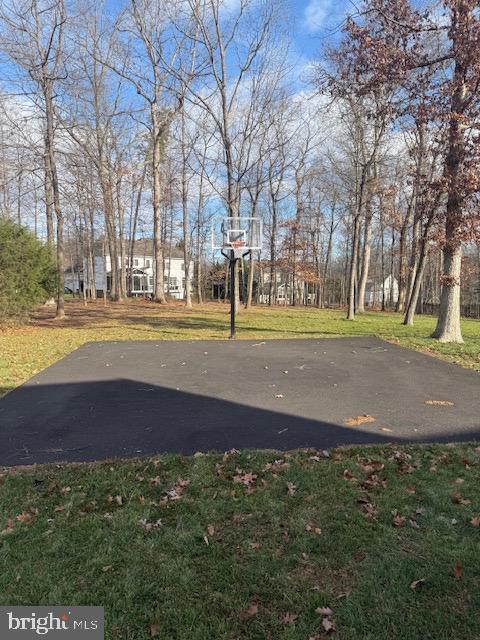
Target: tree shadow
<point>123,418</point>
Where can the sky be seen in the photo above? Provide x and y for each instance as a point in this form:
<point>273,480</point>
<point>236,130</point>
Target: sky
<point>316,22</point>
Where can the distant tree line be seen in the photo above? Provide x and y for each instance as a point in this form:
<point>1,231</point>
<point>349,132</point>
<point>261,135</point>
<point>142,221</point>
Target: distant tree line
<point>147,118</point>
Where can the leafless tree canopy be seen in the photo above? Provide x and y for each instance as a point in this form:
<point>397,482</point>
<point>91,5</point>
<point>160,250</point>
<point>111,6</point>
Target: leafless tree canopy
<point>126,130</point>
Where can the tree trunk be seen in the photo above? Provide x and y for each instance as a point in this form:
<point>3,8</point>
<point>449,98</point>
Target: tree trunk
<point>353,269</point>
<point>55,191</point>
<point>402,258</point>
<point>448,326</point>
<point>157,144</point>
<point>365,260</point>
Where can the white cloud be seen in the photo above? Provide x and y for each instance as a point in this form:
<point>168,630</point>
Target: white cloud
<point>316,13</point>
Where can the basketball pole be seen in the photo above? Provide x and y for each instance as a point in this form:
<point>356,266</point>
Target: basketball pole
<point>233,262</point>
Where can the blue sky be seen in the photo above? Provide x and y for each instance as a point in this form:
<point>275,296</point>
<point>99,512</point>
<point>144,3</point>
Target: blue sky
<point>317,21</point>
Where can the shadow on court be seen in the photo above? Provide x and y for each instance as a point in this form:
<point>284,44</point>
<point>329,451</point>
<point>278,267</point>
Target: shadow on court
<point>128,399</point>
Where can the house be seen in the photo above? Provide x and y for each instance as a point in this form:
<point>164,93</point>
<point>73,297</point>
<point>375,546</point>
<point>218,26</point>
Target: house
<point>283,289</point>
<point>140,270</point>
<point>375,292</point>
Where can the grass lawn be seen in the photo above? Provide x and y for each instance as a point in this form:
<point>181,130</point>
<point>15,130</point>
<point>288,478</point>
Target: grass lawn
<point>253,545</point>
<point>26,350</point>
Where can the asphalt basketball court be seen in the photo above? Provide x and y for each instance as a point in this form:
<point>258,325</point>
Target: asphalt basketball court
<point>122,399</point>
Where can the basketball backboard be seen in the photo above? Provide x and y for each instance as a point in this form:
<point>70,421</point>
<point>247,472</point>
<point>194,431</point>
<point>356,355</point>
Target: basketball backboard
<point>237,234</point>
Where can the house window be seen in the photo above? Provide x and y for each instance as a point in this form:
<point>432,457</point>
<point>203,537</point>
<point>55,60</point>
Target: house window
<point>183,283</point>
<point>150,280</point>
<point>182,267</point>
<point>147,264</point>
<point>135,262</point>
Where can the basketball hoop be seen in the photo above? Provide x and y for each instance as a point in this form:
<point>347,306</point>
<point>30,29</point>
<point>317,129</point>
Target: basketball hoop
<point>235,238</point>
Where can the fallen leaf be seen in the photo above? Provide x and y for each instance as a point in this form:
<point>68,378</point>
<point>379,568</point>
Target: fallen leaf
<point>313,528</point>
<point>458,571</point>
<point>324,611</point>
<point>255,545</point>
<point>369,510</point>
<point>246,479</point>
<point>289,618</point>
<point>414,524</point>
<point>250,612</point>
<point>328,625</point>
<point>440,403</point>
<point>277,466</point>
<point>386,429</point>
<point>416,583</point>
<point>107,567</point>
<point>211,530</point>
<point>25,517</point>
<point>291,488</point>
<point>358,420</point>
<point>457,498</point>
<point>9,528</point>
<point>405,469</point>
<point>205,539</point>
<point>155,629</point>
<point>148,526</point>
<point>59,509</point>
<point>348,475</point>
<point>475,522</point>
<point>372,466</point>
<point>398,520</point>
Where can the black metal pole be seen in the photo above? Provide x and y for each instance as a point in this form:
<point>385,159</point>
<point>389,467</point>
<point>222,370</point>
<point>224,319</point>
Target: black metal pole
<point>232,295</point>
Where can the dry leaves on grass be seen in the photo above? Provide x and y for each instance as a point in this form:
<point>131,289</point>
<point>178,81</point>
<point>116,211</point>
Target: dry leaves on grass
<point>277,466</point>
<point>457,498</point>
<point>9,527</point>
<point>475,522</point>
<point>416,583</point>
<point>250,612</point>
<point>328,624</point>
<point>398,520</point>
<point>368,509</point>
<point>289,618</point>
<point>229,454</point>
<point>247,479</point>
<point>291,488</point>
<point>177,491</point>
<point>458,571</point>
<point>149,526</point>
<point>358,420</point>
<point>115,500</point>
<point>26,517</point>
<point>312,528</point>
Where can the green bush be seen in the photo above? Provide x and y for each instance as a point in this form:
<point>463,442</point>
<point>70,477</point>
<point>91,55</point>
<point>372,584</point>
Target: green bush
<point>27,271</point>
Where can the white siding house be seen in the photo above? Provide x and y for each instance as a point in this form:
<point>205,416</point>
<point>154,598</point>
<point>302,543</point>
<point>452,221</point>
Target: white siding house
<point>141,272</point>
<point>375,291</point>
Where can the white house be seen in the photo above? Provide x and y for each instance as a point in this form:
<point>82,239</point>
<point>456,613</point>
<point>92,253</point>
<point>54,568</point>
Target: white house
<point>141,271</point>
<point>374,291</point>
